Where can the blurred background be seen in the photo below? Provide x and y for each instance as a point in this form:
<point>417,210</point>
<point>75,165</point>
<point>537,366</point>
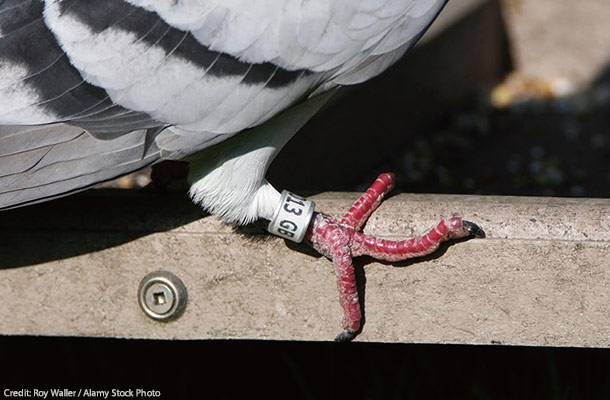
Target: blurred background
<point>507,97</point>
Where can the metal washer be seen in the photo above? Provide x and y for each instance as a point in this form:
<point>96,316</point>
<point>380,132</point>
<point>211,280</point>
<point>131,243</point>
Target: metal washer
<point>162,296</point>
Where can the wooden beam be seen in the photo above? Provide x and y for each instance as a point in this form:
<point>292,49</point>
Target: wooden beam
<point>541,277</point>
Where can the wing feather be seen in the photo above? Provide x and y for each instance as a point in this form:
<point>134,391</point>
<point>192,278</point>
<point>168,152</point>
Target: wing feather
<point>294,34</point>
<point>42,162</point>
<point>91,90</point>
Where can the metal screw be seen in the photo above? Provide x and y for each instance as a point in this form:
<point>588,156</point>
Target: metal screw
<point>162,296</point>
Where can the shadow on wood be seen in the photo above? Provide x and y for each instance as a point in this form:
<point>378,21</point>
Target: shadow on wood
<point>63,228</point>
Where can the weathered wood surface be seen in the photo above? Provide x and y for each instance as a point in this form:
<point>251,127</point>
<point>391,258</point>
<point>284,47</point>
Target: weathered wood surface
<point>541,277</point>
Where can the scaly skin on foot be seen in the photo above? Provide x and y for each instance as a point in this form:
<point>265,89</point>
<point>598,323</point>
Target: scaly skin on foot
<point>342,240</point>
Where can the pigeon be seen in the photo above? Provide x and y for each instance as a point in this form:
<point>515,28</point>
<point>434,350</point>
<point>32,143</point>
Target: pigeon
<point>91,90</point>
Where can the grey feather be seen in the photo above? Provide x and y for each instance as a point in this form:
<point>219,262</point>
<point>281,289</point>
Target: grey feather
<point>56,86</point>
<point>59,159</point>
<point>91,130</point>
<point>176,146</point>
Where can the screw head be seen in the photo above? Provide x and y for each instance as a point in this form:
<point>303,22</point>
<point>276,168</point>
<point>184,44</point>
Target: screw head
<point>162,296</point>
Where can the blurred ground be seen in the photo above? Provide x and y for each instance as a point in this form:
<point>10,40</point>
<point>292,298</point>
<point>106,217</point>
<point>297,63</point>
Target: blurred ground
<point>559,38</point>
<point>527,137</point>
<point>545,130</point>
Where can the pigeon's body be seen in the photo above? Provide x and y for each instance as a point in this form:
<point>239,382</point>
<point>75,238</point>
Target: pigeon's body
<point>93,89</point>
<point>152,80</point>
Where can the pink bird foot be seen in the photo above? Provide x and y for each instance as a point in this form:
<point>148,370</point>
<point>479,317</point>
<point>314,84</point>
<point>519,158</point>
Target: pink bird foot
<point>342,240</point>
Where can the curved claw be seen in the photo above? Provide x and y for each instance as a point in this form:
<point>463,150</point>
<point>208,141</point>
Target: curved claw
<point>346,336</point>
<point>473,229</point>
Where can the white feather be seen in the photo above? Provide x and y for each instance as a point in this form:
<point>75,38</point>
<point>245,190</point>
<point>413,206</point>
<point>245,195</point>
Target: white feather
<point>23,107</point>
<point>144,78</point>
<point>319,35</point>
<point>228,179</point>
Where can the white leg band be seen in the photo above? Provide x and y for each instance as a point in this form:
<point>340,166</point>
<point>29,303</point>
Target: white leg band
<point>292,217</point>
